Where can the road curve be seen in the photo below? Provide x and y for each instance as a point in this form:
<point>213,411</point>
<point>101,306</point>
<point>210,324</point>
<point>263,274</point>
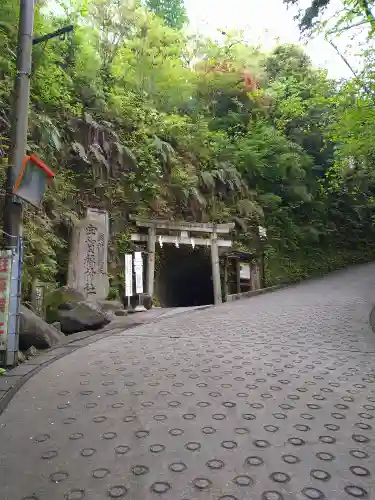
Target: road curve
<point>269,398</point>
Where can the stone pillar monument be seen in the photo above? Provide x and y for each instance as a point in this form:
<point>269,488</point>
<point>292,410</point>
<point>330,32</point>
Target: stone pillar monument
<point>89,256</point>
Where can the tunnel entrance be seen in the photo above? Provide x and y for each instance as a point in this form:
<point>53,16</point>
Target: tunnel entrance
<point>184,276</point>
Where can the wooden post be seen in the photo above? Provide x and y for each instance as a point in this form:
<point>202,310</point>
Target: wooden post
<point>238,275</point>
<point>151,261</point>
<point>215,269</point>
<point>226,279</point>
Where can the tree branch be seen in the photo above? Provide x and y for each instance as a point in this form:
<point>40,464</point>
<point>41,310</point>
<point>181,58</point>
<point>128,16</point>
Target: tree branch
<point>342,57</point>
<point>370,16</point>
<point>347,63</point>
<point>346,28</point>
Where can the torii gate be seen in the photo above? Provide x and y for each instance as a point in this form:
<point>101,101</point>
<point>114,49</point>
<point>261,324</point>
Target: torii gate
<point>183,236</point>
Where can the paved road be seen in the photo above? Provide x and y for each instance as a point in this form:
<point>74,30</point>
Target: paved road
<point>269,398</point>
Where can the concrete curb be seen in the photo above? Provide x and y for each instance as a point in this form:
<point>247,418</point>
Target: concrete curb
<point>253,293</point>
<point>14,379</point>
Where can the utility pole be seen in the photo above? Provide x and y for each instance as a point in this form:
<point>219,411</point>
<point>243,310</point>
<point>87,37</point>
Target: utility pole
<point>18,144</point>
<point>19,123</point>
<point>13,209</point>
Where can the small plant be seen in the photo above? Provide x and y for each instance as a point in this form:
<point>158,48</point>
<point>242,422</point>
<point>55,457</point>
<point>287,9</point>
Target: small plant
<point>113,293</point>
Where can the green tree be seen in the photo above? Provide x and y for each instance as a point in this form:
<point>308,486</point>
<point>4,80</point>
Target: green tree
<point>350,14</point>
<point>301,106</point>
<point>134,116</point>
<point>173,12</point>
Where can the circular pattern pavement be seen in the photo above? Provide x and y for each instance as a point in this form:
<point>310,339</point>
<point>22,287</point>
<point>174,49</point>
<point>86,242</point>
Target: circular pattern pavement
<point>269,398</point>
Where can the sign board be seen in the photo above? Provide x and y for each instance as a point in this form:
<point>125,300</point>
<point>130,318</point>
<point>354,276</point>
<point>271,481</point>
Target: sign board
<point>262,232</point>
<point>32,180</point>
<point>244,271</point>
<point>128,275</point>
<point>37,298</point>
<point>138,269</point>
<point>5,284</point>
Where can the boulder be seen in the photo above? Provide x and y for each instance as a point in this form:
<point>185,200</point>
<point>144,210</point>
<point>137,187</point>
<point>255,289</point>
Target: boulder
<point>21,358</point>
<point>82,316</point>
<point>147,302</point>
<point>31,352</point>
<point>121,312</point>
<point>66,294</point>
<point>140,299</point>
<point>63,297</point>
<point>110,305</point>
<point>34,331</point>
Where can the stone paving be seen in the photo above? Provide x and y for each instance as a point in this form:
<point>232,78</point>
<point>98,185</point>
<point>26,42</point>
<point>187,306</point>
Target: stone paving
<point>269,398</point>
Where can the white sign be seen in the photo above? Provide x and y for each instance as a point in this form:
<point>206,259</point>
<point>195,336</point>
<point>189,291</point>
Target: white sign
<point>244,271</point>
<point>5,281</point>
<point>138,269</point>
<point>128,275</point>
<point>262,232</point>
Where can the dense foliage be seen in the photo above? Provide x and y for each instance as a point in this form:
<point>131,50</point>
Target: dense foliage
<point>136,117</point>
<point>347,14</point>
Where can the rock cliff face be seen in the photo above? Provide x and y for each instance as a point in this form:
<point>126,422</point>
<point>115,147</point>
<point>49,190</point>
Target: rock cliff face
<point>98,146</point>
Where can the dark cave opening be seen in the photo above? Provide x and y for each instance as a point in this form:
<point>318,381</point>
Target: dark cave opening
<point>184,276</point>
